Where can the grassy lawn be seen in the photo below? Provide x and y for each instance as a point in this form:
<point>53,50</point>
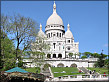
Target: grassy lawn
<point>33,70</point>
<point>100,70</point>
<point>68,71</point>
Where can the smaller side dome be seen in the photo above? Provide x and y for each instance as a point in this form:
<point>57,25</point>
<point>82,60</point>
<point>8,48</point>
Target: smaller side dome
<point>41,33</point>
<point>68,33</point>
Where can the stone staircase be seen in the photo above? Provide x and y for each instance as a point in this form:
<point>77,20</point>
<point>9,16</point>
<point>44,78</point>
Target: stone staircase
<point>46,72</point>
<point>86,71</point>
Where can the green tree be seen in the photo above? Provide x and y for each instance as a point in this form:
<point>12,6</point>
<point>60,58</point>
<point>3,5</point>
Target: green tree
<point>87,54</point>
<point>38,49</point>
<point>84,57</point>
<point>106,62</point>
<point>101,60</point>
<point>79,54</point>
<point>3,31</point>
<point>7,52</point>
<point>70,55</point>
<point>95,55</point>
<point>23,31</point>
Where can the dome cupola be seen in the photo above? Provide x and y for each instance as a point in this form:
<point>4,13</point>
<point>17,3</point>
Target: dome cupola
<point>68,33</point>
<point>54,18</point>
<point>41,33</point>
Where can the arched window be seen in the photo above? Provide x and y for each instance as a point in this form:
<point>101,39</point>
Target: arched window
<point>60,34</point>
<point>54,55</point>
<point>51,34</point>
<point>68,48</point>
<point>54,45</point>
<point>59,55</point>
<point>57,34</point>
<point>48,55</point>
<point>68,41</point>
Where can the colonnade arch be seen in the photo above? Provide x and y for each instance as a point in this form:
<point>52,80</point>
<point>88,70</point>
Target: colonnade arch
<point>59,55</point>
<point>60,65</point>
<point>58,34</point>
<point>48,55</point>
<point>73,65</point>
<point>46,66</point>
<point>54,55</point>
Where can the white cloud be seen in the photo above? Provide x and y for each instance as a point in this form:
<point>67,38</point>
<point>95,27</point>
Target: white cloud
<point>105,45</point>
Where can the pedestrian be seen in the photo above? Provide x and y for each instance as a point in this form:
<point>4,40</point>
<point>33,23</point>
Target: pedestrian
<point>104,74</point>
<point>93,72</point>
<point>79,71</point>
<point>90,72</point>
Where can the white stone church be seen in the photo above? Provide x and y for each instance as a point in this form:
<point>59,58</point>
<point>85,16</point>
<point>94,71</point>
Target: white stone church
<point>61,44</point>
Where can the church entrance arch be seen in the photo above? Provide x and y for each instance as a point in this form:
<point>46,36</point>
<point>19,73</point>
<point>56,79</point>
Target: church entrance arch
<point>59,55</point>
<point>48,55</point>
<point>60,65</point>
<point>73,65</point>
<point>46,66</point>
<point>54,55</point>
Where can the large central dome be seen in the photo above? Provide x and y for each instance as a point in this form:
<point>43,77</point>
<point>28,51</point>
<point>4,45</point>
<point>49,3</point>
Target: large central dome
<point>54,18</point>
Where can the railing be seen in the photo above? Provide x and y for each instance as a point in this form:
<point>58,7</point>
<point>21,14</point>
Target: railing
<point>84,77</point>
<point>90,59</point>
<point>51,73</point>
<point>87,76</point>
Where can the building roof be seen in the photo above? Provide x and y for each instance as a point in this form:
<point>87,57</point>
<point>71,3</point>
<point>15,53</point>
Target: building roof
<point>16,69</point>
<point>68,33</point>
<point>54,18</point>
<point>41,33</point>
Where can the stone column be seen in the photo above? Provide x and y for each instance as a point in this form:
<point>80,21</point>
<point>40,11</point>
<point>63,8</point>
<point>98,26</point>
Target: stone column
<point>56,55</point>
<point>51,55</point>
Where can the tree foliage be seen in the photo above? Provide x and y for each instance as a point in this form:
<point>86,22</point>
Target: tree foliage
<point>101,60</point>
<point>37,52</point>
<point>84,57</point>
<point>7,52</point>
<point>22,29</point>
<point>95,55</point>
<point>22,32</point>
<point>87,54</point>
<point>70,55</point>
<point>106,62</point>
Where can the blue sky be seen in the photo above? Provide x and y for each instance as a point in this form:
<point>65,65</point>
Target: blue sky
<point>88,19</point>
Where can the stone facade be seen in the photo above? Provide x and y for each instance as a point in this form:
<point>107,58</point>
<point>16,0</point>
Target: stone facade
<point>61,44</point>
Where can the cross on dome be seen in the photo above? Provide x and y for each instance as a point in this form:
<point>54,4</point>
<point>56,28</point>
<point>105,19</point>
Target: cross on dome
<point>54,8</point>
<point>40,26</point>
<point>68,26</point>
<point>54,18</point>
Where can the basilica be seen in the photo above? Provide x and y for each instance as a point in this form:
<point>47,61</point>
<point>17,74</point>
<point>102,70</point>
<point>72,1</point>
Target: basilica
<point>61,42</point>
<point>61,45</point>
